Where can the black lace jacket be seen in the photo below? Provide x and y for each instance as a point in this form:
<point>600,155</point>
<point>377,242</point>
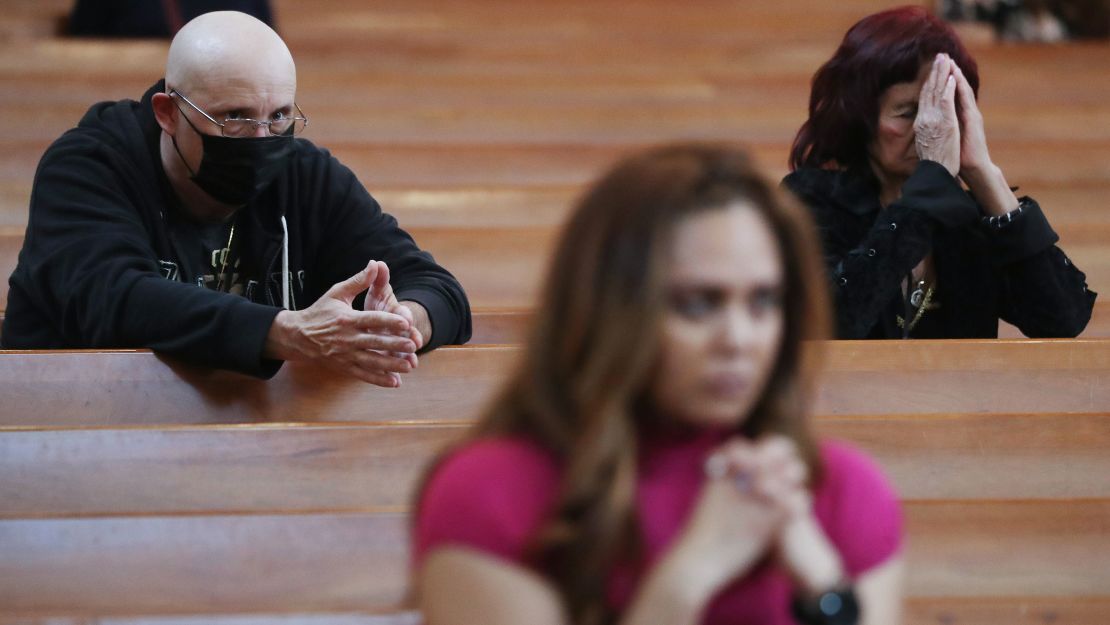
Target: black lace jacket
<point>984,272</point>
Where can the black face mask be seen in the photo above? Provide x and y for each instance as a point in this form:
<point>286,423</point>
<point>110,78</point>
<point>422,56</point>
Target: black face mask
<point>236,170</point>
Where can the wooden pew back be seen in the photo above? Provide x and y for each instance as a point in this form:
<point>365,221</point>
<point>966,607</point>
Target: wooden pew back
<point>453,384</point>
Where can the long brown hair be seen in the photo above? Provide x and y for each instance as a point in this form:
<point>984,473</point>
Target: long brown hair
<point>581,388</point>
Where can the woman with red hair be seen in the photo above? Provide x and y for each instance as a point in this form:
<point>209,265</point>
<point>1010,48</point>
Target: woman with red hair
<point>893,131</point>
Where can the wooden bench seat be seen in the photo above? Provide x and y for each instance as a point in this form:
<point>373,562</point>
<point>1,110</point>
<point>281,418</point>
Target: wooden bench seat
<point>356,561</point>
<point>264,469</point>
<point>214,469</point>
<point>86,388</point>
<point>138,387</point>
<point>1028,610</point>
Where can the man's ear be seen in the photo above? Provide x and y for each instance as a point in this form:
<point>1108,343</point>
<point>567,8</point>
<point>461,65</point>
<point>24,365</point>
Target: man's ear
<point>165,111</point>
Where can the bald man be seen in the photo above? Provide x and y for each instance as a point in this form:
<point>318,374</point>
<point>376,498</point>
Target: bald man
<point>194,223</point>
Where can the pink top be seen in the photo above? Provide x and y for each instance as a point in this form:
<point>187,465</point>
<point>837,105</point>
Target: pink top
<point>493,495</point>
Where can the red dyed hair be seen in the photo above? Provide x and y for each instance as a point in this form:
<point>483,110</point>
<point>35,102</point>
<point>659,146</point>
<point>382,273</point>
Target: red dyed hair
<point>880,50</point>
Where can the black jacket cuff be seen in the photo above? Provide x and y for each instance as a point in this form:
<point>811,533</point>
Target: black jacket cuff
<point>448,326</point>
<point>255,328</point>
<point>1028,234</point>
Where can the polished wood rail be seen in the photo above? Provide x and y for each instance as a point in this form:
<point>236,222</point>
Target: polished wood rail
<point>922,611</point>
<point>267,469</point>
<point>329,561</point>
<point>861,378</point>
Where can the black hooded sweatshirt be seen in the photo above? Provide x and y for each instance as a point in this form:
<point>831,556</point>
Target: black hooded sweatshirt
<point>100,269</point>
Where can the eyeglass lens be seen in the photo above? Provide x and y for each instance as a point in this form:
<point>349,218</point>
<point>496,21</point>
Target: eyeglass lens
<point>247,128</point>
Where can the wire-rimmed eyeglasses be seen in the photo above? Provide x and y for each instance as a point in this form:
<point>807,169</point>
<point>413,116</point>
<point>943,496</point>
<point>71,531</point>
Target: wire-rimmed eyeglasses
<point>246,127</point>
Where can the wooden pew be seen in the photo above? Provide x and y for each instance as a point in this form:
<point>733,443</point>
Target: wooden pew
<point>927,611</point>
<point>138,387</point>
<point>356,561</point>
<point>270,483</point>
<point>289,484</point>
<point>500,326</point>
<point>272,469</point>
<point>1029,610</point>
<point>861,378</point>
<point>301,552</point>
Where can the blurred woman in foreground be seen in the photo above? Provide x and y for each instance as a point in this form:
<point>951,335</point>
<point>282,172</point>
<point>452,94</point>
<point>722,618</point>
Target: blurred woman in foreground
<point>651,460</point>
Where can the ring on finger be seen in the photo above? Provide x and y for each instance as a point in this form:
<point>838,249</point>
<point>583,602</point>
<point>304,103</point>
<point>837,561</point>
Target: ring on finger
<point>716,467</point>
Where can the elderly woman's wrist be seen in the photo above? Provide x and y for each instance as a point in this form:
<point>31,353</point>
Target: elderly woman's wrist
<point>980,174</point>
<point>991,191</point>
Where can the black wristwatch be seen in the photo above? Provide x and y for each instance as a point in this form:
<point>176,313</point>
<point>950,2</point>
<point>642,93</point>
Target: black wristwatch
<point>835,607</point>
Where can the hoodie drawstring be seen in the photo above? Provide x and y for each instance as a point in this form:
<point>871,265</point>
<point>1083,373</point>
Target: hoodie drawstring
<point>284,263</point>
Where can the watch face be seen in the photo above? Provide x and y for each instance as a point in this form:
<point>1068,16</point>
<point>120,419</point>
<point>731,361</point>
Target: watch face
<point>831,608</point>
<point>830,604</point>
<point>838,608</point>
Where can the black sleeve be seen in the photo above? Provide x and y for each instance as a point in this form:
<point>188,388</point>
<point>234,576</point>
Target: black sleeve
<point>89,266</point>
<point>360,231</point>
<point>867,272</point>
<point>1043,293</point>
